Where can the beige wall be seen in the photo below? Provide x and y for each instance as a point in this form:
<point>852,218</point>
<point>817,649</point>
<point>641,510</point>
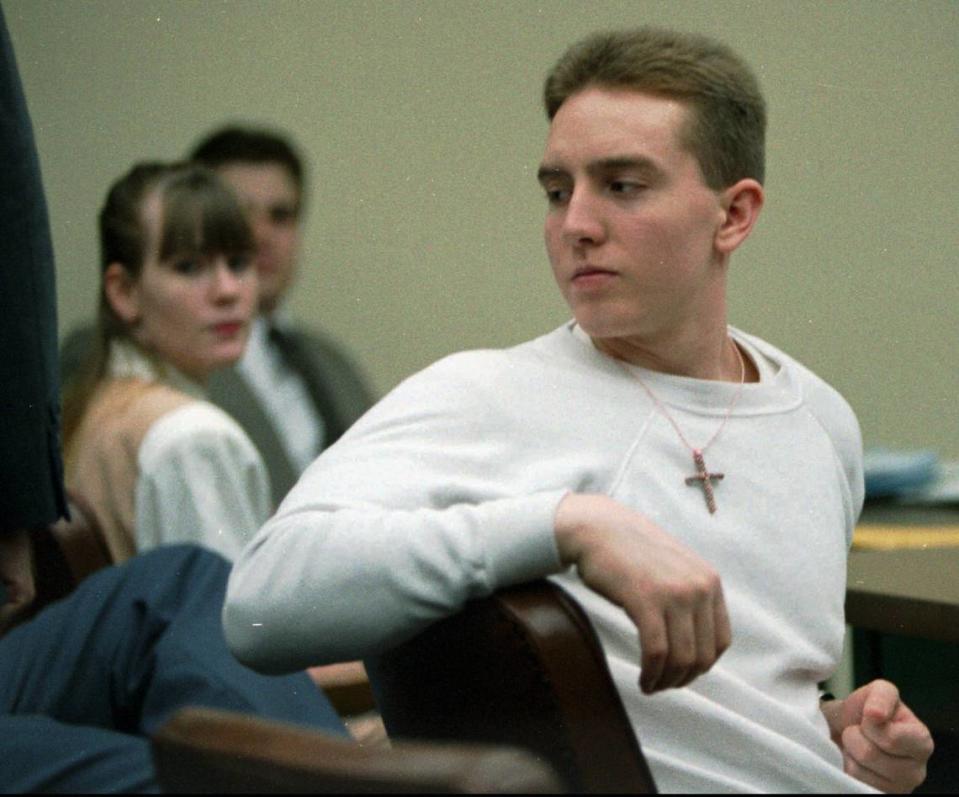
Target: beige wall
<point>422,124</point>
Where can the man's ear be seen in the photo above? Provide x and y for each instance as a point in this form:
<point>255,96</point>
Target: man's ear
<point>741,202</point>
<point>122,292</point>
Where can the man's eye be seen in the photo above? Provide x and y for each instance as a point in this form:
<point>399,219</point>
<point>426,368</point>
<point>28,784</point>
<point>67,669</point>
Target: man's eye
<point>625,187</point>
<point>282,215</point>
<point>557,196</point>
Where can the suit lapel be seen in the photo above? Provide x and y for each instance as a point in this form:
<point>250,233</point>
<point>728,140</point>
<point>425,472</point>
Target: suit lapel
<point>296,351</point>
<point>229,391</point>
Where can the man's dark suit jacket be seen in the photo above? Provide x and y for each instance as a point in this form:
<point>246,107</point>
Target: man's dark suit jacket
<point>31,469</point>
<point>339,394</point>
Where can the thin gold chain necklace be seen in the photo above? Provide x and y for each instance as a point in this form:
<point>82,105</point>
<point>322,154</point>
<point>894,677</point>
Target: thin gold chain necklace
<point>703,477</point>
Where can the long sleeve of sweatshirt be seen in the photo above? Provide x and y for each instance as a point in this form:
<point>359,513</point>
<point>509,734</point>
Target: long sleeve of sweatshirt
<point>415,511</point>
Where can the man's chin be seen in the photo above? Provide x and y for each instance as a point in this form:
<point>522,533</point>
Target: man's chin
<point>598,325</point>
<point>273,284</point>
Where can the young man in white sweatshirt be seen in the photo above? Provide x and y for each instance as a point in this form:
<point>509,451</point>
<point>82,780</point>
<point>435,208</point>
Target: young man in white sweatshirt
<point>679,477</point>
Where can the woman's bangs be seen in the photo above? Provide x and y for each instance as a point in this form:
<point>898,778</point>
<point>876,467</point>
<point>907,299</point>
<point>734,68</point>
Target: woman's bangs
<point>203,216</point>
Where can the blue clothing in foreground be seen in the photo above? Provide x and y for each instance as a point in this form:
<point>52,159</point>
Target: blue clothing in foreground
<point>85,683</point>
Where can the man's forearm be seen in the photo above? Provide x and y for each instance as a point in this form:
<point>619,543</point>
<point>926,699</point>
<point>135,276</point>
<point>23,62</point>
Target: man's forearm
<point>320,587</point>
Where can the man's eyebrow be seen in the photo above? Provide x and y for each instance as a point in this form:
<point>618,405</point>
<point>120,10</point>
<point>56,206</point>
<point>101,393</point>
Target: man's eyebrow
<point>634,162</point>
<point>547,172</point>
<point>602,166</point>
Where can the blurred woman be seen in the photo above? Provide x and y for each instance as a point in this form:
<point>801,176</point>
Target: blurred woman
<point>157,462</point>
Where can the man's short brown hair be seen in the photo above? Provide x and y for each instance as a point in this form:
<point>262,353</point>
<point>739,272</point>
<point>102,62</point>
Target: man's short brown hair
<point>727,127</point>
<point>240,144</point>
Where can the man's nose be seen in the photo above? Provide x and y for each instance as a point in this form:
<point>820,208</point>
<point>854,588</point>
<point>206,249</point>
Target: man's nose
<point>583,220</point>
<point>259,225</point>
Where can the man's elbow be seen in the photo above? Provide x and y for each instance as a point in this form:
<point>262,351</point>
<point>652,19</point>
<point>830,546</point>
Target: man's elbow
<point>249,635</point>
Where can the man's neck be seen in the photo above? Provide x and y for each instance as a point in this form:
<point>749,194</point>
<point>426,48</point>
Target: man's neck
<point>701,355</point>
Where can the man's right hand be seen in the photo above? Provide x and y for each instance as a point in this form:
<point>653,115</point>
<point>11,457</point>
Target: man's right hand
<point>674,597</point>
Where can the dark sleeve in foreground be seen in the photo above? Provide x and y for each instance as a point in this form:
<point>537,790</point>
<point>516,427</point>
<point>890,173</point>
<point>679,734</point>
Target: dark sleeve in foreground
<point>31,469</point>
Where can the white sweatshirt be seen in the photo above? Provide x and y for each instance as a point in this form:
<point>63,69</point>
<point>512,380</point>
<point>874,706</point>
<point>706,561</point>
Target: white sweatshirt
<point>447,489</point>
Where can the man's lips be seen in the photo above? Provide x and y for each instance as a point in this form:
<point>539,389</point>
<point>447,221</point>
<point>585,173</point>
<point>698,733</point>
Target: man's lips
<point>590,275</point>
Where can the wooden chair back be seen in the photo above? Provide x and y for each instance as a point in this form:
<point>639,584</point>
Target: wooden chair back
<point>523,667</point>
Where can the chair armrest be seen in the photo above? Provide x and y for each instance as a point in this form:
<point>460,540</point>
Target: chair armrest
<point>213,751</point>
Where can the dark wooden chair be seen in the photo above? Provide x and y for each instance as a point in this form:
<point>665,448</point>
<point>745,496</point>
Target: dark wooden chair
<point>523,667</point>
<point>68,551</point>
<point>202,750</point>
